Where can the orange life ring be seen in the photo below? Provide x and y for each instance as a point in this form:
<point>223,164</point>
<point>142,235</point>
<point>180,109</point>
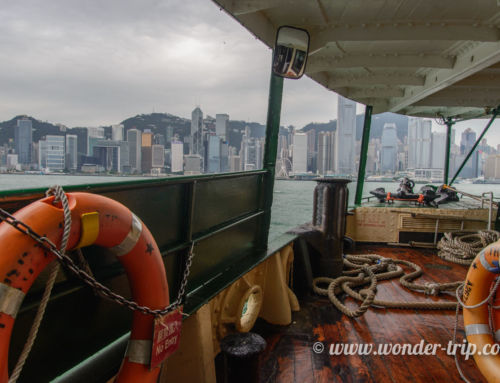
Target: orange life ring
<point>477,287</point>
<point>496,316</point>
<point>117,229</point>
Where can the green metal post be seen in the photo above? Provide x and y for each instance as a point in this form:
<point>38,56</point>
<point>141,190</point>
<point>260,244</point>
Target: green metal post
<point>449,125</point>
<point>271,150</point>
<point>362,157</point>
<point>495,114</point>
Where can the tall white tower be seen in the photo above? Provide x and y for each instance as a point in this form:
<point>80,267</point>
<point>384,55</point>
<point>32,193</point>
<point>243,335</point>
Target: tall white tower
<point>345,136</point>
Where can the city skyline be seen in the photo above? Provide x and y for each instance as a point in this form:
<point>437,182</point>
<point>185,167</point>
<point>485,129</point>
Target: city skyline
<point>207,148</point>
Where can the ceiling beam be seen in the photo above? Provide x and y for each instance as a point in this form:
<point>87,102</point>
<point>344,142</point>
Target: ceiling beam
<point>408,31</point>
<point>320,64</point>
<point>379,104</point>
<point>359,93</point>
<point>462,97</point>
<point>425,111</point>
<point>243,7</point>
<point>468,63</point>
<point>375,79</point>
<point>480,80</point>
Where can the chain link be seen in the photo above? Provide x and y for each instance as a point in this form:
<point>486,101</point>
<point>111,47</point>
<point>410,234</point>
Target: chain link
<point>98,287</point>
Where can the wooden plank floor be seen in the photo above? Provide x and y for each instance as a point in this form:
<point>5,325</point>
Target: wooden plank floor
<point>289,356</point>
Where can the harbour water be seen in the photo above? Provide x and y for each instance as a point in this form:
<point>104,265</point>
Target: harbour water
<point>292,204</point>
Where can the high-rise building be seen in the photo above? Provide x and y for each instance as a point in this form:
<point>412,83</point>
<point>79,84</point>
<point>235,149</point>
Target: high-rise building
<point>221,125</point>
<point>51,153</point>
<point>112,155</point>
<point>192,164</point>
<point>467,141</point>
<point>196,146</point>
<point>134,139</point>
<point>71,151</point>
<point>312,151</point>
<point>345,137</point>
<point>388,160</point>
<point>213,164</point>
<point>419,143</point>
<point>158,156</point>
<point>147,151</point>
<point>438,152</point>
<point>224,157</point>
<point>117,132</point>
<point>93,136</point>
<point>326,153</point>
<point>169,134</point>
<point>147,138</point>
<point>492,167</point>
<point>299,162</point>
<point>177,157</point>
<point>23,138</point>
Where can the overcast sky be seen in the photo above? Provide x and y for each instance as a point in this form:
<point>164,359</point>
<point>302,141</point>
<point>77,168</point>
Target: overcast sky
<point>91,63</point>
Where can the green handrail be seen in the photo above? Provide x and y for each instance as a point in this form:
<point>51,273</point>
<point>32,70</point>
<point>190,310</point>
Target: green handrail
<point>271,150</point>
<point>449,125</point>
<point>362,157</point>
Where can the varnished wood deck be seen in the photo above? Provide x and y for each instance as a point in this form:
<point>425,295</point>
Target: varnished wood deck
<point>289,356</point>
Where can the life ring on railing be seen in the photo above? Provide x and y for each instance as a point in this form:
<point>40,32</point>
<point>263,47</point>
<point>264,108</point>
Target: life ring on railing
<point>478,283</point>
<point>496,316</point>
<point>95,220</point>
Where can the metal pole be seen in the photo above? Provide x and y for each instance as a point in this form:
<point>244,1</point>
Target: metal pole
<point>362,157</point>
<point>495,113</point>
<point>271,150</point>
<point>449,125</point>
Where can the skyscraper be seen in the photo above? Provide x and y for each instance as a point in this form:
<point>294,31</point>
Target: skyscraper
<point>134,138</point>
<point>177,157</point>
<point>467,141</point>
<point>23,137</point>
<point>221,125</point>
<point>51,153</point>
<point>388,160</point>
<point>158,156</point>
<point>299,162</point>
<point>71,151</point>
<point>213,165</point>
<point>419,143</point>
<point>312,151</point>
<point>196,145</point>
<point>326,149</point>
<point>117,132</point>
<point>169,135</point>
<point>345,137</point>
<point>438,153</point>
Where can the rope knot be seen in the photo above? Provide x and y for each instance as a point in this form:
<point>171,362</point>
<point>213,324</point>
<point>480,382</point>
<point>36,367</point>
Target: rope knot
<point>432,288</point>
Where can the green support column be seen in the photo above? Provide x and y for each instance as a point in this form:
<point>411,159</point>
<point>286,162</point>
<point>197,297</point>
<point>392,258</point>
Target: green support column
<point>449,125</point>
<point>363,154</point>
<point>271,149</point>
<point>495,114</point>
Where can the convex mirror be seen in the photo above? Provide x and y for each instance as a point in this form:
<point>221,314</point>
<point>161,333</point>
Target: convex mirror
<point>290,52</point>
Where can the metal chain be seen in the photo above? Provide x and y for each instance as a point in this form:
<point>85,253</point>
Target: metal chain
<point>98,287</point>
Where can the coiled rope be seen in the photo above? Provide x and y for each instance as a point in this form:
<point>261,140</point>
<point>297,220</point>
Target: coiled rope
<point>371,268</point>
<point>462,247</point>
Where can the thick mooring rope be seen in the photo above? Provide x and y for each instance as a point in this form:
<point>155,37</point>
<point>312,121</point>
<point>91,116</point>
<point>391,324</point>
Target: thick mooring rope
<point>371,268</point>
<point>462,247</point>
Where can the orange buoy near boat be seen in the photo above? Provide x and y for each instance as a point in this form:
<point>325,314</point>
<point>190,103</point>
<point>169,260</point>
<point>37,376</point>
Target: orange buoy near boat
<point>478,283</point>
<point>99,221</point>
